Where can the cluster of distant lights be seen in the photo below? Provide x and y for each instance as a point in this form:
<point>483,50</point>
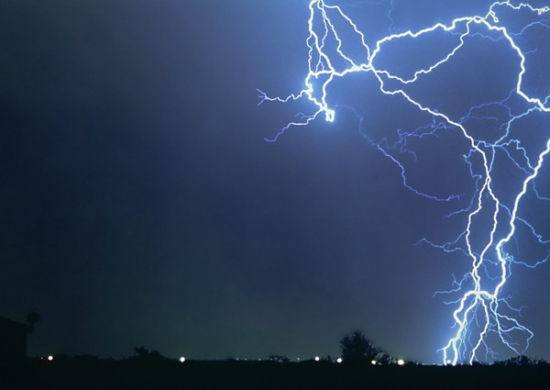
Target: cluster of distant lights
<point>183,359</point>
<point>339,360</point>
<point>399,362</point>
<point>49,358</point>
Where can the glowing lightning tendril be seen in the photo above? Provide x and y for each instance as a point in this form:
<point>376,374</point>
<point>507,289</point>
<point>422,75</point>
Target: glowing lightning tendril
<point>324,63</point>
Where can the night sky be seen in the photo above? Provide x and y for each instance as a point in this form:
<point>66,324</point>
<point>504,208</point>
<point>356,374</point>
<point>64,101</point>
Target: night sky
<point>140,204</point>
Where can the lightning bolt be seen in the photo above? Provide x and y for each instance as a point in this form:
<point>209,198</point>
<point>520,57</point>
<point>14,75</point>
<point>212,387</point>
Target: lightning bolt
<point>481,308</point>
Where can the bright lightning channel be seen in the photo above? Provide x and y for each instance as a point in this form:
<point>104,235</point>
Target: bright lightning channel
<point>326,50</point>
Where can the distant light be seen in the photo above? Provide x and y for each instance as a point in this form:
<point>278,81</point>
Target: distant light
<point>400,362</point>
<point>339,360</point>
<point>182,359</point>
<point>50,358</point>
<point>317,358</point>
<point>373,362</point>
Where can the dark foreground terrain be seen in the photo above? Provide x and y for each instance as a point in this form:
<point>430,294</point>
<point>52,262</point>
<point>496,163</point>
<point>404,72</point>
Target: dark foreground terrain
<point>89,373</point>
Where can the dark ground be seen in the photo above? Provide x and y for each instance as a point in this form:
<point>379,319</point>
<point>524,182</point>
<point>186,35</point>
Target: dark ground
<point>134,374</point>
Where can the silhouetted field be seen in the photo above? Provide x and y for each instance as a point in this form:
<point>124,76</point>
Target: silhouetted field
<point>91,373</point>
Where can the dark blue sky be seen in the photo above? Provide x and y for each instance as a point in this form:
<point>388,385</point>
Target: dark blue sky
<point>140,204</point>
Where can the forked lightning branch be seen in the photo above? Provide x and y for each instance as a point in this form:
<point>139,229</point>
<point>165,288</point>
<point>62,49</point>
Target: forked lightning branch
<point>481,309</point>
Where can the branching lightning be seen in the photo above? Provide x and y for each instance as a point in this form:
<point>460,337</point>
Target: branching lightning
<point>481,308</point>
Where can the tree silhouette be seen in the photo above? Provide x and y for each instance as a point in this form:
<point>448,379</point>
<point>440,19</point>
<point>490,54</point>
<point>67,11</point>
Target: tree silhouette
<point>357,348</point>
<point>383,358</point>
